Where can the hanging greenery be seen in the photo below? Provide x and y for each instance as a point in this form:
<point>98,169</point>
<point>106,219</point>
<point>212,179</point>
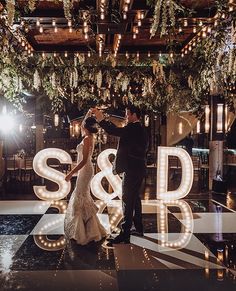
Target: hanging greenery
<point>156,83</point>
<point>164,16</point>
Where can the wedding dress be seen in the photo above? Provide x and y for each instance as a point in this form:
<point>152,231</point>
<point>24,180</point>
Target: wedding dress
<point>81,221</point>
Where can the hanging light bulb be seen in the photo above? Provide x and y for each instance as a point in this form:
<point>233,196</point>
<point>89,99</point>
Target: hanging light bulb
<point>185,22</point>
<point>204,35</point>
<point>198,126</point>
<point>41,29</point>
<point>56,119</point>
<point>53,22</point>
<point>126,8</point>
<point>209,29</point>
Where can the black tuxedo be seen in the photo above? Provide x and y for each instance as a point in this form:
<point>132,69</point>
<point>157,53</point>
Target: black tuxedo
<point>132,147</point>
<point>130,160</point>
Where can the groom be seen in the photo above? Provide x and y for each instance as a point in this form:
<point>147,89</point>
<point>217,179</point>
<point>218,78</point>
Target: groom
<point>131,161</point>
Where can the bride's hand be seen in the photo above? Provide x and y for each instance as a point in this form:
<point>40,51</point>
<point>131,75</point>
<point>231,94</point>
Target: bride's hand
<point>68,177</point>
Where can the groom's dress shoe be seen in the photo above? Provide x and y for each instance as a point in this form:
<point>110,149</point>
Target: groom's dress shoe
<point>110,238</point>
<point>136,233</point>
<point>117,240</point>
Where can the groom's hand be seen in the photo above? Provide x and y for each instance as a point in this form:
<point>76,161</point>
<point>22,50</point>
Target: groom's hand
<point>98,114</point>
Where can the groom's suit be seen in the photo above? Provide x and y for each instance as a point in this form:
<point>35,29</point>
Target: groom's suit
<point>130,160</point>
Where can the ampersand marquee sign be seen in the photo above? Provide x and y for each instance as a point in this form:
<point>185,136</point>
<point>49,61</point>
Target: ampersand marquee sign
<point>106,172</point>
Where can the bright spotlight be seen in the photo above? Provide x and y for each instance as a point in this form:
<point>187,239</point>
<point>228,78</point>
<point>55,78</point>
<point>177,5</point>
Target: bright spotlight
<point>6,123</point>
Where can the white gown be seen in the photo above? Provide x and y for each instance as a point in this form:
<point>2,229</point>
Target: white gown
<point>81,221</point>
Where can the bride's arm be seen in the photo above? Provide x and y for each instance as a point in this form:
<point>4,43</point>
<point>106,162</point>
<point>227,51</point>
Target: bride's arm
<point>88,114</point>
<point>86,147</point>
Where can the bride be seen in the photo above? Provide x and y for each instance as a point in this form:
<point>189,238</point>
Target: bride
<point>81,221</point>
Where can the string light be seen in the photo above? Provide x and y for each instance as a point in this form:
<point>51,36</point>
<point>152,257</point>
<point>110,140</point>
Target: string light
<point>185,22</point>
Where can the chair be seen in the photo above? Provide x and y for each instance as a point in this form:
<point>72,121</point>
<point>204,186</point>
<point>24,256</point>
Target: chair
<point>27,171</point>
<point>12,170</point>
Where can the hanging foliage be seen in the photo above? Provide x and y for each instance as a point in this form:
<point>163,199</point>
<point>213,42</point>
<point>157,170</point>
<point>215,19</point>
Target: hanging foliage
<point>155,83</point>
<point>164,16</point>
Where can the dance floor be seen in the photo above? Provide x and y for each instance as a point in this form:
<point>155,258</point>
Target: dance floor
<point>35,256</point>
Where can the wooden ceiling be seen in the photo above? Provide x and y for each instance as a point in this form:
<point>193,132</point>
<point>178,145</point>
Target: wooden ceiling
<point>49,14</point>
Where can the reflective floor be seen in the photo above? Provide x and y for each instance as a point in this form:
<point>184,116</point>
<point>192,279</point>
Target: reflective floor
<point>188,245</point>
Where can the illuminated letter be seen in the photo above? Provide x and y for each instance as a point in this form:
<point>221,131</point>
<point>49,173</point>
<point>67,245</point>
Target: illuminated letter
<point>186,229</point>
<point>162,173</point>
<point>42,240</point>
<point>106,171</point>
<point>42,169</point>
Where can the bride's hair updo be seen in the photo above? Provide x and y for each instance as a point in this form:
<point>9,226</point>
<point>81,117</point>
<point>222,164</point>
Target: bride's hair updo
<point>90,124</point>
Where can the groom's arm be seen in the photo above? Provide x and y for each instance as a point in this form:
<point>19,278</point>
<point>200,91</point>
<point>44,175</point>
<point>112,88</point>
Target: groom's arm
<point>111,128</point>
<point>108,126</point>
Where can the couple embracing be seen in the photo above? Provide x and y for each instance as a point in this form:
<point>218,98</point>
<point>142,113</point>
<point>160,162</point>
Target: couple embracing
<point>81,221</point>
